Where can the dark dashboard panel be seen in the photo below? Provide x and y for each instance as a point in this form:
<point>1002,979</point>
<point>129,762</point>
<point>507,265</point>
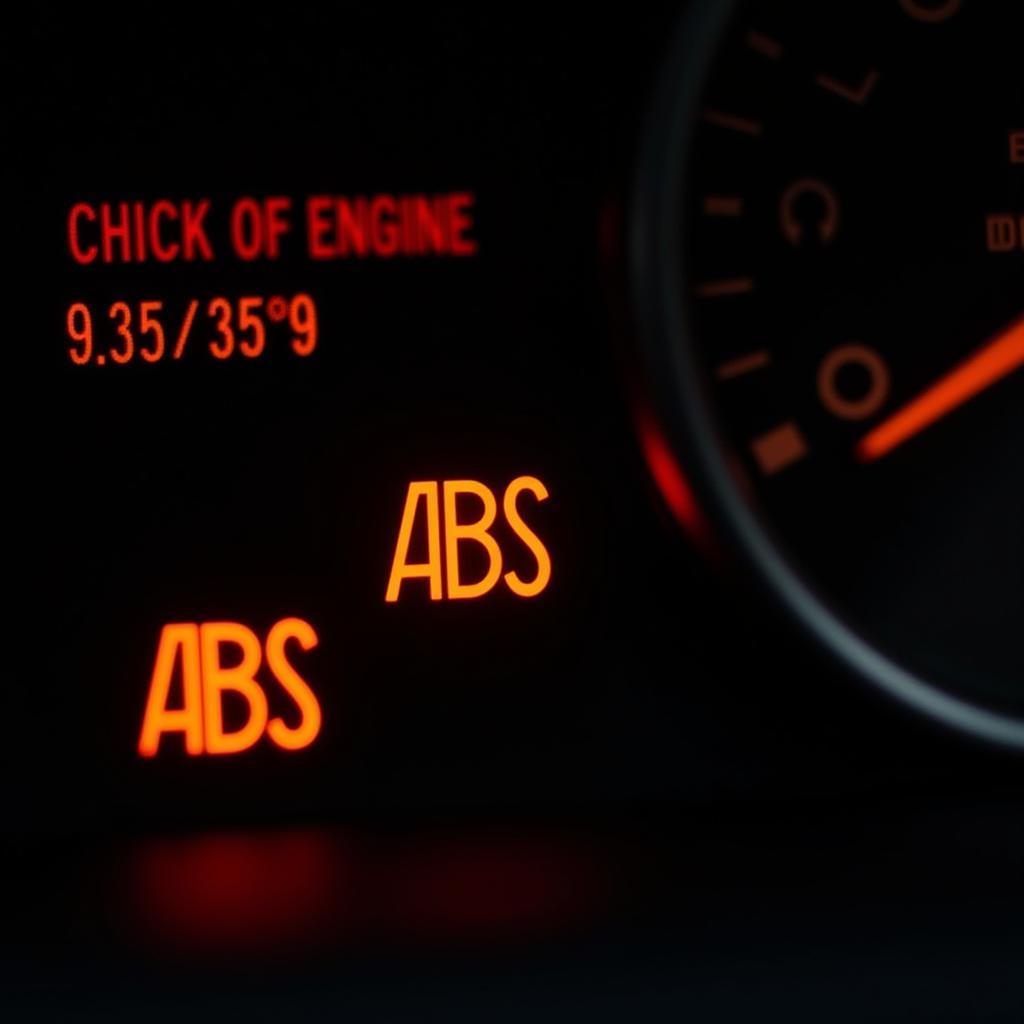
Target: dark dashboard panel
<point>379,621</point>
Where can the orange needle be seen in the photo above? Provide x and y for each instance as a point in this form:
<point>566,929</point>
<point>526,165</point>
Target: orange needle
<point>993,361</point>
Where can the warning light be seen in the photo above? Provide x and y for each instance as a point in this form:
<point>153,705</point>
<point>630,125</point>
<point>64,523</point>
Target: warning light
<point>448,580</point>
<point>206,675</point>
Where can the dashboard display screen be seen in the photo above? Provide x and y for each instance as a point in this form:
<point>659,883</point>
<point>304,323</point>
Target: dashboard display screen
<point>326,445</point>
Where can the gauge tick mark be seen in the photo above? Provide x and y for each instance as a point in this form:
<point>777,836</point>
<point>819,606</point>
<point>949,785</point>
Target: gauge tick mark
<point>725,288</point>
<point>723,206</point>
<point>743,365</point>
<point>764,45</point>
<point>743,125</point>
<point>778,448</point>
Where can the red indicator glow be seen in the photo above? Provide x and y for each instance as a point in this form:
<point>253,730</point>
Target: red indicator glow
<point>448,580</point>
<point>207,674</point>
<point>227,895</point>
<point>671,482</point>
<point>236,896</point>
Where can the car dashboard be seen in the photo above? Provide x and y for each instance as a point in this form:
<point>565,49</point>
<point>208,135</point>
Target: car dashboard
<point>515,513</point>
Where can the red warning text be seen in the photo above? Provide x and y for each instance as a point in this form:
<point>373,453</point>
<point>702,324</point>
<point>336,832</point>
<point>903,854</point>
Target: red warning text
<point>424,502</point>
<point>214,659</point>
<point>387,225</point>
<point>381,225</point>
<point>137,232</point>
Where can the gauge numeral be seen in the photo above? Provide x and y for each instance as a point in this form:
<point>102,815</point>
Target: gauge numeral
<point>811,197</point>
<point>858,94</point>
<point>1004,232</point>
<point>837,398</point>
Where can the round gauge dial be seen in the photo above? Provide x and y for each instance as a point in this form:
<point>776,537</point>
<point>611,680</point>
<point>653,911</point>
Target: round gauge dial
<point>831,268</point>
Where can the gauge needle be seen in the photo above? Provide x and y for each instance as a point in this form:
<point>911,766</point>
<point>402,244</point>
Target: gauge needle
<point>990,364</point>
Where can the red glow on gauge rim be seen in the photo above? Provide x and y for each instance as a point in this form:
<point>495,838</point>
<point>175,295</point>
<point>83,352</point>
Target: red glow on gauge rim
<point>672,482</point>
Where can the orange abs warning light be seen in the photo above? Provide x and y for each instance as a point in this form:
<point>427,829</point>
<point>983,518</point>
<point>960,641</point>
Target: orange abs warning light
<point>199,655</point>
<point>425,499</point>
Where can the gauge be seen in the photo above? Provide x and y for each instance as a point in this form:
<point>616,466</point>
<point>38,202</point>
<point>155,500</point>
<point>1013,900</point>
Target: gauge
<point>830,272</point>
